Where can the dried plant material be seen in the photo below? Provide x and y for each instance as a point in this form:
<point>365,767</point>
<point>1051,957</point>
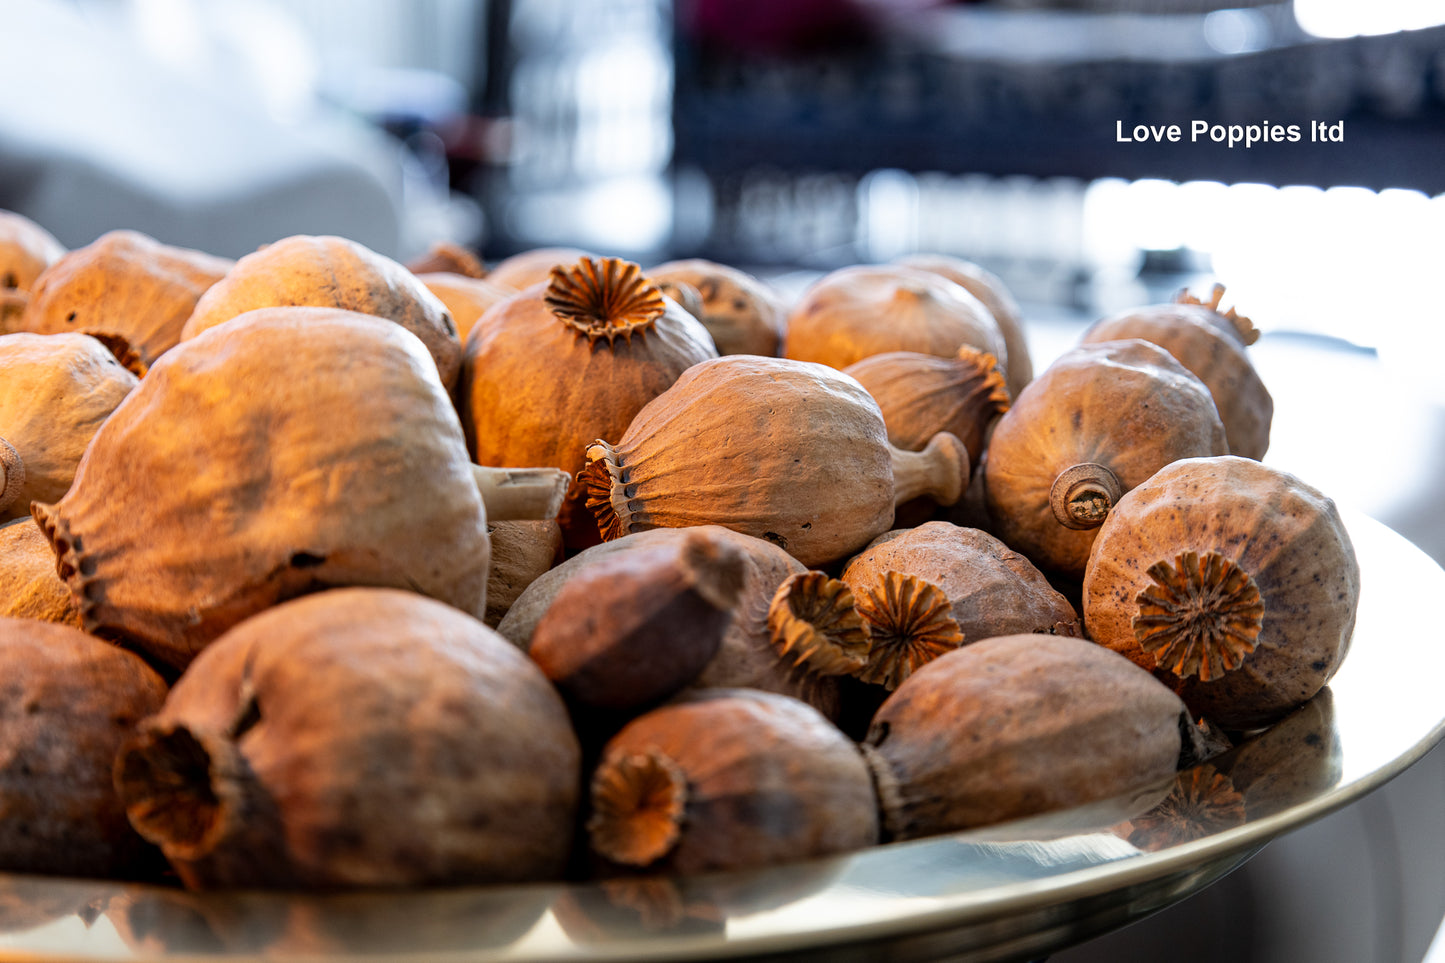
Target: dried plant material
<point>1203,802</point>
<point>67,701</point>
<point>1230,321</point>
<point>1207,344</point>
<point>55,392</point>
<point>768,781</point>
<point>991,589</point>
<point>26,250</point>
<point>1019,725</point>
<point>864,310</point>
<point>301,481</point>
<point>465,298</point>
<point>909,624</point>
<point>357,738</point>
<point>995,295</point>
<point>521,552</point>
<point>539,386</point>
<point>789,451</point>
<point>1264,624</point>
<point>745,656</point>
<point>636,627</point>
<point>1201,616</point>
<point>523,270</point>
<point>1100,420</point>
<point>126,288</point>
<point>815,627</point>
<point>448,257</point>
<point>921,395</point>
<point>604,298</point>
<point>332,272</point>
<point>29,587</point>
<point>638,803</point>
<point>743,314</point>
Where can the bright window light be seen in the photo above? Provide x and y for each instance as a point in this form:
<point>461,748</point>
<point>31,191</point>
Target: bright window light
<point>1352,18</point>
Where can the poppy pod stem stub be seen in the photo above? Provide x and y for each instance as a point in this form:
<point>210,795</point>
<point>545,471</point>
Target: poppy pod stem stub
<point>12,474</point>
<point>939,471</point>
<point>604,298</point>
<point>1082,495</point>
<point>521,494</point>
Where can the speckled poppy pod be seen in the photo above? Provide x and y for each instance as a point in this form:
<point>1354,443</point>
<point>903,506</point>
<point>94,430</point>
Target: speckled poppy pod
<point>743,314</point>
<point>55,392</point>
<point>995,295</point>
<point>526,268</point>
<point>1211,345</point>
<point>558,365</point>
<point>29,586</point>
<point>789,451</point>
<point>724,779</point>
<point>242,472</point>
<point>332,272</point>
<point>1100,420</point>
<point>360,737</point>
<point>67,702</point>
<point>128,290</point>
<point>858,311</point>
<point>1018,725</point>
<point>1234,582</point>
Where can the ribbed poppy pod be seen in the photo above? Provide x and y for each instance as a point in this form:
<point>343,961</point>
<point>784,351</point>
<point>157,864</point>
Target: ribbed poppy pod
<point>995,295</point>
<point>466,298</point>
<point>447,257</point>
<point>743,314</point>
<point>242,471</point>
<point>559,365</point>
<point>1234,582</point>
<point>923,394</point>
<point>360,737</point>
<point>1100,420</point>
<point>55,393</point>
<point>126,289</point>
<point>1208,345</point>
<point>858,311</point>
<point>332,272</point>
<point>68,701</point>
<point>1019,725</point>
<point>789,451</point>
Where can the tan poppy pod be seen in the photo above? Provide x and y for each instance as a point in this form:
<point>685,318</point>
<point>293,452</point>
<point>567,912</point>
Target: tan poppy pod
<point>243,471</point>
<point>990,589</point>
<point>356,738</point>
<point>26,249</point>
<point>789,451</point>
<point>995,295</point>
<point>554,368</point>
<point>743,314</point>
<point>332,272</point>
<point>863,310</point>
<point>923,394</point>
<point>68,701</point>
<point>448,257</point>
<point>522,270</point>
<point>55,392</point>
<point>1199,339</point>
<point>1018,725</point>
<point>722,779</point>
<point>1100,420</point>
<point>746,656</point>
<point>129,290</point>
<point>29,587</point>
<point>1234,582</point>
<point>466,298</point>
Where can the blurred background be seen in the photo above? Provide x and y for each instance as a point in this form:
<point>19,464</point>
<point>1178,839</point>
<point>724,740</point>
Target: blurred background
<point>789,138</point>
